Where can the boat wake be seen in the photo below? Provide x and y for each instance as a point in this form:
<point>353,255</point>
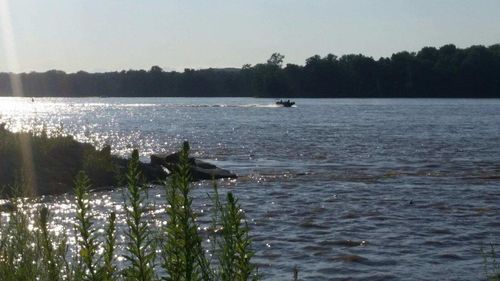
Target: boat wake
<point>195,105</point>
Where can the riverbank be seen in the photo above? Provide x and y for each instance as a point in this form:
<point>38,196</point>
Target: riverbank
<point>34,164</point>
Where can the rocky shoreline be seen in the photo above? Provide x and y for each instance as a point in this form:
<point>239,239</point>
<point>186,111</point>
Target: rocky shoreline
<point>161,165</point>
<point>53,162</point>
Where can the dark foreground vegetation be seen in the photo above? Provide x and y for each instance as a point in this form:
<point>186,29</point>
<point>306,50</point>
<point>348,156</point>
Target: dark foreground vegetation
<point>30,251</point>
<point>40,164</point>
<point>443,72</point>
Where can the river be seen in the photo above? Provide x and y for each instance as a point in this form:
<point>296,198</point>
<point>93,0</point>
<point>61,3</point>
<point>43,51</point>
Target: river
<point>344,189</point>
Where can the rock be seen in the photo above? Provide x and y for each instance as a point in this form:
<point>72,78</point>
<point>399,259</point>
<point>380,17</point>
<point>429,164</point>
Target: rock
<point>153,173</point>
<point>200,170</point>
<point>207,174</point>
<point>164,159</point>
<point>204,165</point>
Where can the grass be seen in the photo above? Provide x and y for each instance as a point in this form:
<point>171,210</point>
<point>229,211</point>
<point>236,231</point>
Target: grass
<point>30,251</point>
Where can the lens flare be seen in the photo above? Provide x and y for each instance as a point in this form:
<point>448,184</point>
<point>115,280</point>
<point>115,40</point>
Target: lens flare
<point>7,38</point>
<point>10,49</point>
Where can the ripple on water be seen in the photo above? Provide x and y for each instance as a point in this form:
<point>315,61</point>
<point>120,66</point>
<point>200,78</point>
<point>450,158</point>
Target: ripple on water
<point>449,256</point>
<point>336,170</point>
<point>351,259</point>
<point>345,243</point>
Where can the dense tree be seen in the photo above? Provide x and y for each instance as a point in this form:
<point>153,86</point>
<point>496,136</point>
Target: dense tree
<point>447,71</point>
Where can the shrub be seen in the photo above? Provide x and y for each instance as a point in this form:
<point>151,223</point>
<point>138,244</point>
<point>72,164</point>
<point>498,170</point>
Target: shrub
<point>48,165</point>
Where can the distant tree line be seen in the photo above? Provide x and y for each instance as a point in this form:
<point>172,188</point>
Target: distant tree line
<point>447,71</point>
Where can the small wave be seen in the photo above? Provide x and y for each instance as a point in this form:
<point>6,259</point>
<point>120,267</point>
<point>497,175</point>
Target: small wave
<point>308,224</point>
<point>435,243</point>
<point>450,256</point>
<point>351,259</point>
<point>345,243</point>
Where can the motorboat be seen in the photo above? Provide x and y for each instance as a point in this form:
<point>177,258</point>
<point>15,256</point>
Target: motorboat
<point>285,103</point>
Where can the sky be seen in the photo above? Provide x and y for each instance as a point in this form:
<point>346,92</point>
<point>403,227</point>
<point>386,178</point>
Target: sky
<point>114,35</point>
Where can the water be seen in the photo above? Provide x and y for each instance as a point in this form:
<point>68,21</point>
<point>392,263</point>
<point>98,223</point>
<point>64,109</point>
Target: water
<point>346,189</point>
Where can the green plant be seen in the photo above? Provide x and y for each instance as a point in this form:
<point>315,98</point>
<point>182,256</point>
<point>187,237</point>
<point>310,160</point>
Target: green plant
<point>140,248</point>
<point>19,258</point>
<point>53,251</point>
<point>87,241</point>
<point>235,245</point>
<point>108,269</point>
<point>491,264</point>
<point>183,256</point>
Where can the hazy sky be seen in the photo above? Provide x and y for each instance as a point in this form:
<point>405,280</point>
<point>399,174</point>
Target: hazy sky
<point>108,35</point>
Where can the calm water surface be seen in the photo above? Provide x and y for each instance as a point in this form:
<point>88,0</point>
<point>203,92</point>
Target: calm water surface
<point>346,189</point>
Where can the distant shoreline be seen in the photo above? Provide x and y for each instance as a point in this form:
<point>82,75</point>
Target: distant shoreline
<point>272,98</point>
<point>445,72</point>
